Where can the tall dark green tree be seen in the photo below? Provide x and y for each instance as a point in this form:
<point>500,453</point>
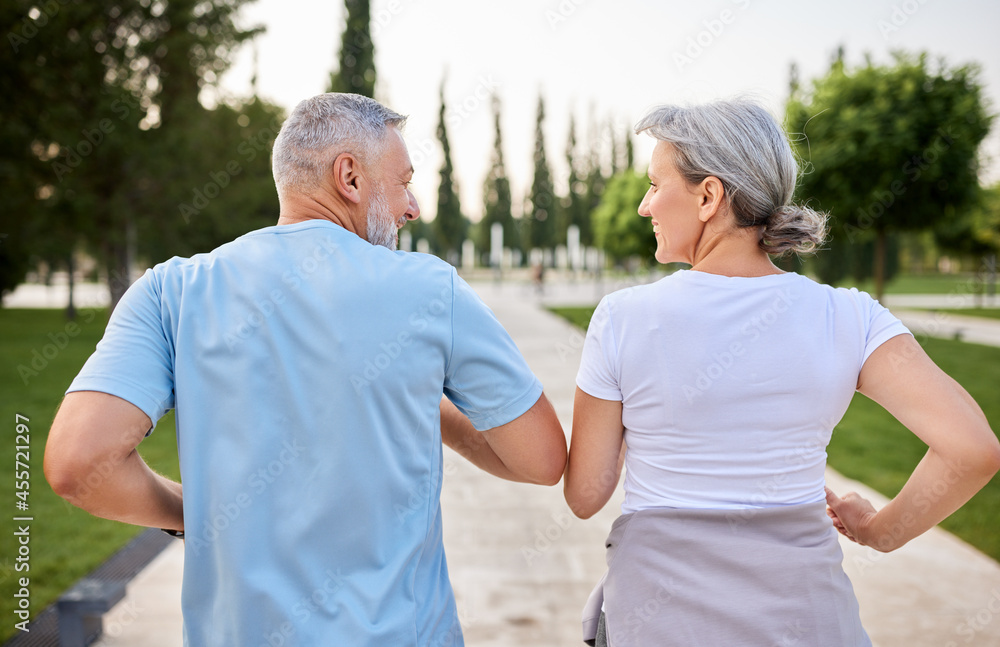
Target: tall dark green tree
<point>889,148</point>
<point>497,202</point>
<point>595,181</point>
<point>450,226</point>
<point>542,215</point>
<point>574,205</point>
<point>629,150</point>
<point>977,231</point>
<point>356,69</point>
<point>109,85</point>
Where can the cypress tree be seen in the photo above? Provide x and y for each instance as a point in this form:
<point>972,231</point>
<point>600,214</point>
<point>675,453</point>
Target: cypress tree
<point>356,71</point>
<point>595,181</point>
<point>542,216</point>
<point>575,211</point>
<point>497,202</point>
<point>450,226</point>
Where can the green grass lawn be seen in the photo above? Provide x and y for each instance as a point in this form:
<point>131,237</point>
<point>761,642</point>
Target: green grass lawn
<point>870,446</point>
<point>922,284</point>
<point>989,313</point>
<point>66,543</point>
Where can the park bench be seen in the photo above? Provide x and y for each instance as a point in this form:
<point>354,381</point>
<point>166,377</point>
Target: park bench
<point>81,607</point>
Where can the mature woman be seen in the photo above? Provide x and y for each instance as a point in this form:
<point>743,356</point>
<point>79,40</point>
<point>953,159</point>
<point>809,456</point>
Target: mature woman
<point>725,382</point>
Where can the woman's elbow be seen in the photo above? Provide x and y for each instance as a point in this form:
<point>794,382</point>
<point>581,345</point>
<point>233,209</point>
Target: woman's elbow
<point>582,511</point>
<point>582,504</point>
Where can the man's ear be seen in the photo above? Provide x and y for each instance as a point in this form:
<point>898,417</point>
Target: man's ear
<point>712,195</point>
<point>347,176</point>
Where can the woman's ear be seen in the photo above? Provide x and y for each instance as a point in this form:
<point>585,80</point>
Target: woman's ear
<point>346,176</point>
<point>712,195</point>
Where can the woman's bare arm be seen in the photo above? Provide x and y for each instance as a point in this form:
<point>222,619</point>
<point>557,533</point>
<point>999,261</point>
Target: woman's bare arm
<point>596,454</point>
<point>963,452</point>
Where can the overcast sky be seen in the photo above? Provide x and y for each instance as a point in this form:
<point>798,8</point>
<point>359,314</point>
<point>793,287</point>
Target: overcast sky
<point>601,60</point>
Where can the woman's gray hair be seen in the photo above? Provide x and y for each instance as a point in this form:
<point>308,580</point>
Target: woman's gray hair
<point>743,146</point>
<point>321,128</point>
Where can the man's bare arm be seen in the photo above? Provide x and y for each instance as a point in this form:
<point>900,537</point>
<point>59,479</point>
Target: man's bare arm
<point>530,449</point>
<point>92,462</point>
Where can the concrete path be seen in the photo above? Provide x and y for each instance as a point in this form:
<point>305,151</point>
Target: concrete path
<point>522,565</point>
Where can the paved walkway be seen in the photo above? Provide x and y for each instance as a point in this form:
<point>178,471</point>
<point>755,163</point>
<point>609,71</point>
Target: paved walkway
<point>522,565</point>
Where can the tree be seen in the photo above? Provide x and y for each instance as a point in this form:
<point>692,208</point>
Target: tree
<point>977,231</point>
<point>575,210</point>
<point>595,181</point>
<point>356,71</point>
<point>114,91</point>
<point>450,226</point>
<point>889,148</point>
<point>629,150</point>
<point>497,202</point>
<point>542,218</point>
<point>619,229</point>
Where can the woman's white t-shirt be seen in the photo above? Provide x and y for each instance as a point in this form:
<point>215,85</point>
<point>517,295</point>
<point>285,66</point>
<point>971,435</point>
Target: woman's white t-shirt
<point>730,386</point>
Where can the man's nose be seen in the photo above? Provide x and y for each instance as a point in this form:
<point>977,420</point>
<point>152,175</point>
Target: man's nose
<point>413,209</point>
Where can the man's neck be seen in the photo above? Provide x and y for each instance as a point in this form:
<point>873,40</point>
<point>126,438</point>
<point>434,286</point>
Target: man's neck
<point>302,208</point>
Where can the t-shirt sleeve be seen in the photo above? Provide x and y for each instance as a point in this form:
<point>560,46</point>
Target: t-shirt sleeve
<point>486,377</point>
<point>134,359</point>
<point>882,325</point>
<point>598,374</point>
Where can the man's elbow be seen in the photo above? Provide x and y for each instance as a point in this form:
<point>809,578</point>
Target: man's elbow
<point>550,472</point>
<point>71,476</point>
<point>990,458</point>
<point>64,477</point>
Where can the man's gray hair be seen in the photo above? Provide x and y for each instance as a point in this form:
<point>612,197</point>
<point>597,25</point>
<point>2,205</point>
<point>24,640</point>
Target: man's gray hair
<point>742,145</point>
<point>321,128</point>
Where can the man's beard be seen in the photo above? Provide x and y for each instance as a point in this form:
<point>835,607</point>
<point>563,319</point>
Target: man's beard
<point>382,228</point>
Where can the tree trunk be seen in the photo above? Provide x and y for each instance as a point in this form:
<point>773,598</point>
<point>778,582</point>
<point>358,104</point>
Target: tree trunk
<point>71,269</point>
<point>991,273</point>
<point>120,260</point>
<point>879,269</point>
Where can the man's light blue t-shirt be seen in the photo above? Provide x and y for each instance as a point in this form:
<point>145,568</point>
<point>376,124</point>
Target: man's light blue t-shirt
<point>306,367</point>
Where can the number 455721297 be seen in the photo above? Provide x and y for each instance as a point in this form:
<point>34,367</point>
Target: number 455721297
<point>22,462</point>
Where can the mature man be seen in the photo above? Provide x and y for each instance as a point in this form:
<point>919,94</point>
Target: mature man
<point>306,363</point>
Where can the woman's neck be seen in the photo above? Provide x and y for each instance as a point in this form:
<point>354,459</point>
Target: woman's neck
<point>734,255</point>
